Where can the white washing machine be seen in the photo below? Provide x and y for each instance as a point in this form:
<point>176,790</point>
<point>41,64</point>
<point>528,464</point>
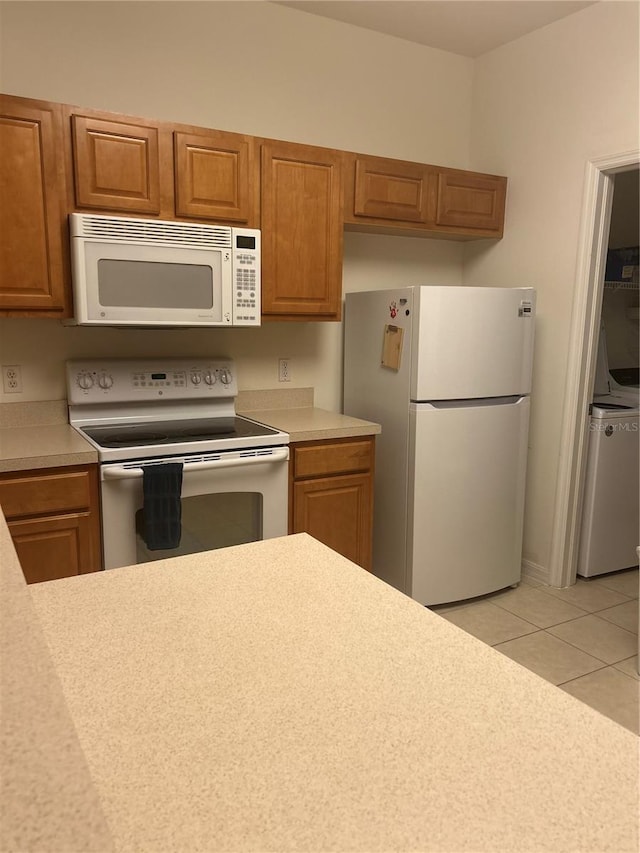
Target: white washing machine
<point>611,511</point>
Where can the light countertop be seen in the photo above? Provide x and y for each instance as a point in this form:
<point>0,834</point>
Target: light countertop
<point>309,423</point>
<point>43,446</point>
<point>274,696</point>
<point>48,801</point>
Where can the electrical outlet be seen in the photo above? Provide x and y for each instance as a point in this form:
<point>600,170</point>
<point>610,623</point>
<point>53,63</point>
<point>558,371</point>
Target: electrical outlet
<point>11,379</point>
<point>284,370</point>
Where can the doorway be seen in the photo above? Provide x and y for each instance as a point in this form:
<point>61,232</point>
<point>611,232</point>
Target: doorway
<point>585,330</point>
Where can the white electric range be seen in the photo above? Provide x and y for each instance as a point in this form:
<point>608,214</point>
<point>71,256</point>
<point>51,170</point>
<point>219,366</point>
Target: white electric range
<point>151,419</point>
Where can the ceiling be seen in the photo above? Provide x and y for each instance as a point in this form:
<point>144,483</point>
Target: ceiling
<point>467,27</point>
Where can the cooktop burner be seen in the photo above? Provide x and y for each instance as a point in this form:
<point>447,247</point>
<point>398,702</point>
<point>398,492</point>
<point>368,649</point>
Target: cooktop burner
<point>174,432</point>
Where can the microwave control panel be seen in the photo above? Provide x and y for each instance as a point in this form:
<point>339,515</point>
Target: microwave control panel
<point>246,277</point>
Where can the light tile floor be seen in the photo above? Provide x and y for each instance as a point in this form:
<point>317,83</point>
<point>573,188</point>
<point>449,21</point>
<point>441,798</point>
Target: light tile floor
<point>583,639</point>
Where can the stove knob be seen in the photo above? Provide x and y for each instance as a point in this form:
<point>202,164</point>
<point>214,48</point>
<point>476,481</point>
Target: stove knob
<point>196,378</point>
<point>225,377</point>
<point>85,381</point>
<point>105,381</point>
<point>210,377</point>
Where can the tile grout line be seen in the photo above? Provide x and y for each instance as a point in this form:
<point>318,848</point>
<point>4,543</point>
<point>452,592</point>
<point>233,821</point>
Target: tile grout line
<point>572,619</point>
<point>539,627</point>
<point>600,668</point>
<point>563,640</point>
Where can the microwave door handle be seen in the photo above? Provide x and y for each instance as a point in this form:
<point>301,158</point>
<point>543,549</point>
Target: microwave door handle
<point>119,472</point>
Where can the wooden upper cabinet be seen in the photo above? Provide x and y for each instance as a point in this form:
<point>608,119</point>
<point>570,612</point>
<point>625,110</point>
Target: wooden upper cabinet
<point>56,158</point>
<point>388,189</point>
<point>116,165</point>
<point>397,196</point>
<point>214,176</point>
<point>471,201</point>
<point>33,232</point>
<point>302,226</point>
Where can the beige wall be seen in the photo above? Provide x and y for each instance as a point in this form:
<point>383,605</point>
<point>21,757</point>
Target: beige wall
<point>256,68</point>
<point>544,106</point>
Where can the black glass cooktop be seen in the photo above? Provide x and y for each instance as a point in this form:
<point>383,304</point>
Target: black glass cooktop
<point>175,432</point>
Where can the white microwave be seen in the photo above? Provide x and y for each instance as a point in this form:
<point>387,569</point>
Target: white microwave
<point>147,272</point>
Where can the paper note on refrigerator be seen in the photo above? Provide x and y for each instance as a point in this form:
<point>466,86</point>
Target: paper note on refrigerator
<point>392,346</point>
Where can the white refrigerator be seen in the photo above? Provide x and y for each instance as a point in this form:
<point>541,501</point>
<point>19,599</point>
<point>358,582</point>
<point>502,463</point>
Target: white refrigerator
<point>446,372</point>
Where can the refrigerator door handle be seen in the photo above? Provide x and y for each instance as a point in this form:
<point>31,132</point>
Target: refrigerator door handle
<point>476,401</point>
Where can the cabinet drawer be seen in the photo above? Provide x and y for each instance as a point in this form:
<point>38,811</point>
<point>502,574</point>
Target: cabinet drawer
<point>51,492</point>
<point>316,460</point>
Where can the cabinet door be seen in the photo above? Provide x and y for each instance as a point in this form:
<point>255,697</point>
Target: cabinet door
<point>302,222</point>
<point>337,511</point>
<point>54,519</point>
<point>213,175</point>
<point>389,189</point>
<point>54,547</point>
<point>471,201</point>
<point>116,165</point>
<point>33,260</point>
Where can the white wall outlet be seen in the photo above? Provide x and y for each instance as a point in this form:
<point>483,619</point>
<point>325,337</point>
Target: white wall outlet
<point>284,370</point>
<point>11,379</point>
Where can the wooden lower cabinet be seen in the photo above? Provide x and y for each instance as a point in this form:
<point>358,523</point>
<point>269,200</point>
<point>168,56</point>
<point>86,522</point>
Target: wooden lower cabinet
<point>54,520</point>
<point>54,547</point>
<point>331,495</point>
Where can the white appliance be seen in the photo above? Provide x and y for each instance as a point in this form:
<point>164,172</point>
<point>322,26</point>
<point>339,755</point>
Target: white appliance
<point>446,371</point>
<point>144,413</point>
<point>147,272</point>
<point>610,529</point>
<point>604,382</point>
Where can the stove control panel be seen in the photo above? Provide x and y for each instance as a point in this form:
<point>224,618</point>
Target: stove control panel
<point>138,380</point>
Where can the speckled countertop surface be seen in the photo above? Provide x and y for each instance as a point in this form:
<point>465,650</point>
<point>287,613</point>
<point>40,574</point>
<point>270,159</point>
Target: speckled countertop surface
<point>48,802</point>
<point>293,411</point>
<point>310,423</point>
<point>38,435</point>
<point>43,446</point>
<point>274,696</point>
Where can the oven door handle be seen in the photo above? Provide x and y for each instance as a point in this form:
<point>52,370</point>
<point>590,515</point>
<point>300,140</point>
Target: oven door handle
<point>119,472</point>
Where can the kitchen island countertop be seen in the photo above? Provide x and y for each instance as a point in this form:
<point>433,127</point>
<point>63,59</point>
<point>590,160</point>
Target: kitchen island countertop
<point>274,696</point>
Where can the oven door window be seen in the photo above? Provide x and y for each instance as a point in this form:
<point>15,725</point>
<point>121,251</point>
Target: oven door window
<point>209,522</point>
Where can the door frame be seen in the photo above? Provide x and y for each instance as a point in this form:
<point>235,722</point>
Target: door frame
<point>583,345</point>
